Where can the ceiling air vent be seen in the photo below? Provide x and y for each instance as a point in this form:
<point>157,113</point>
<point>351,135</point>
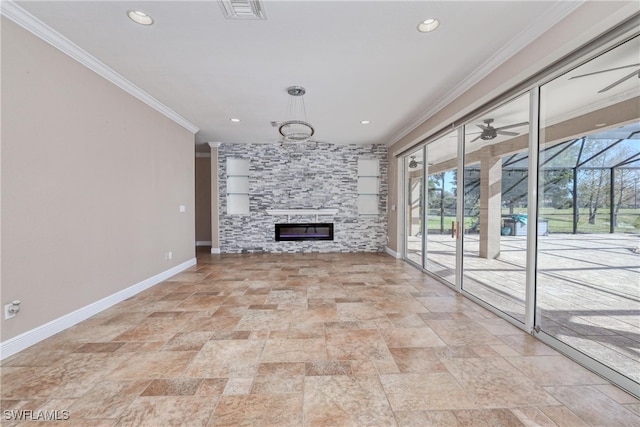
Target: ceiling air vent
<point>242,9</point>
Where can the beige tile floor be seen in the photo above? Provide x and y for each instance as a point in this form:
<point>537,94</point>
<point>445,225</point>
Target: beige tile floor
<point>304,340</point>
<point>588,288</point>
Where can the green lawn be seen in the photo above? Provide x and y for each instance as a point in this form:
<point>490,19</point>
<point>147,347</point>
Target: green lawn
<point>561,220</point>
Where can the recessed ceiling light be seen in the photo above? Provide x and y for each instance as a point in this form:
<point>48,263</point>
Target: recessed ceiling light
<point>140,17</point>
<point>365,122</point>
<point>235,120</point>
<point>428,25</point>
<point>599,125</point>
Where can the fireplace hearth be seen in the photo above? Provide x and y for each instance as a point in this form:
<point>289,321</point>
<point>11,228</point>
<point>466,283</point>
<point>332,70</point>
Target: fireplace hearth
<point>303,231</point>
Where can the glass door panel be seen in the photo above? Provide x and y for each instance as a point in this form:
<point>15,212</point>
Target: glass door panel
<point>414,174</point>
<point>442,159</point>
<point>495,207</point>
<point>588,266</point>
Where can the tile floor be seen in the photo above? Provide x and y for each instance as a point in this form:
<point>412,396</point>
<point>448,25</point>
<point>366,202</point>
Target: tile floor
<point>588,288</point>
<point>304,340</point>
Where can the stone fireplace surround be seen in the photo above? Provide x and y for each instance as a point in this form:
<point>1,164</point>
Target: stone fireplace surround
<point>315,185</point>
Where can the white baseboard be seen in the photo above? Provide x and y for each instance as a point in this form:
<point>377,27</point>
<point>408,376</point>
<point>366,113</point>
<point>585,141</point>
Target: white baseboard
<point>215,250</point>
<point>203,242</point>
<point>29,338</point>
<point>392,252</point>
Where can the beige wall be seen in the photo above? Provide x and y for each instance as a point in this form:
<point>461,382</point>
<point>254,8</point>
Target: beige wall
<point>203,199</point>
<point>92,180</point>
<point>592,19</point>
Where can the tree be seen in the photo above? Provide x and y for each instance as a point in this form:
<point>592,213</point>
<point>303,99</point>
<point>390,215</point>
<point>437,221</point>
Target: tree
<point>557,187</point>
<point>593,175</point>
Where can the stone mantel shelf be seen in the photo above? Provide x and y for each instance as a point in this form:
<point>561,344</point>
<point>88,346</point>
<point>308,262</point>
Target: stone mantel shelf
<point>289,212</point>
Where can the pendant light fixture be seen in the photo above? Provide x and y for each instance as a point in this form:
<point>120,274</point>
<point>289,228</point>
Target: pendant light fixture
<point>297,129</point>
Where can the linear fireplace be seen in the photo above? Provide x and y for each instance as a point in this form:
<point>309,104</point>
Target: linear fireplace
<point>305,231</point>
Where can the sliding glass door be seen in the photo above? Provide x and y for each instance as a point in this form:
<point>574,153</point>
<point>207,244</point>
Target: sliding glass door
<point>414,212</point>
<point>535,214</point>
<point>441,213</point>
<point>495,207</point>
<point>588,270</point>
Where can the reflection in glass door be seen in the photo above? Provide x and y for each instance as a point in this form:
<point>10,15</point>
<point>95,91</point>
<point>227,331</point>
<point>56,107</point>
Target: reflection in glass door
<point>441,234</point>
<point>588,267</point>
<point>565,264</point>
<point>495,207</point>
<point>414,169</point>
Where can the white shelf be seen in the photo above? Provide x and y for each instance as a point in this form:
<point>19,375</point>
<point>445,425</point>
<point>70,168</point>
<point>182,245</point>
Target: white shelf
<point>237,186</point>
<point>237,166</point>
<point>289,212</point>
<point>302,211</point>
<point>237,204</point>
<point>368,186</point>
<point>368,167</point>
<point>368,204</point>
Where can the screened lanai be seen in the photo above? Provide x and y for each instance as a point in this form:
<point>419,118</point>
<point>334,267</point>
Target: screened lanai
<point>588,252</point>
<point>590,185</point>
<point>532,208</point>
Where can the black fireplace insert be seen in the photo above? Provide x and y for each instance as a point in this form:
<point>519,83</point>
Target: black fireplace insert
<point>306,231</point>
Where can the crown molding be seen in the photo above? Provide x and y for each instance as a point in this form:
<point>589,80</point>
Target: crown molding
<point>556,13</point>
<point>32,24</point>
<point>214,144</point>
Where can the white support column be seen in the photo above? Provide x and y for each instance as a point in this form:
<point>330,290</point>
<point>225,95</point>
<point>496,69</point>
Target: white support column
<point>215,200</point>
<point>490,203</point>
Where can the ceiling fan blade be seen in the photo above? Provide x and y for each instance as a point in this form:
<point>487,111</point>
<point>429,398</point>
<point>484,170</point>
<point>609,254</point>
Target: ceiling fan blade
<point>504,132</point>
<point>604,71</point>
<point>482,127</point>
<point>476,138</point>
<point>616,83</point>
<point>513,126</point>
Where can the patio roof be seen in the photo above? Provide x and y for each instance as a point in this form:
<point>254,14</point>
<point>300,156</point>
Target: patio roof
<point>617,148</point>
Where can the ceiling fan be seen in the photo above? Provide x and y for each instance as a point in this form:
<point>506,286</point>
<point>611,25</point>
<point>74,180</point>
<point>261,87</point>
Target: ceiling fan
<point>617,82</point>
<point>489,132</point>
<point>413,163</point>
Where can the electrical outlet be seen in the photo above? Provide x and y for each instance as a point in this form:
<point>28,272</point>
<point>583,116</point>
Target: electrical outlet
<point>8,313</point>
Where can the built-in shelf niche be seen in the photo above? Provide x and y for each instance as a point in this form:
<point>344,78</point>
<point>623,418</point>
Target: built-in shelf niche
<point>237,186</point>
<point>368,186</point>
